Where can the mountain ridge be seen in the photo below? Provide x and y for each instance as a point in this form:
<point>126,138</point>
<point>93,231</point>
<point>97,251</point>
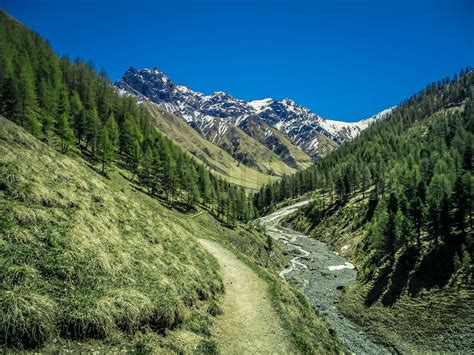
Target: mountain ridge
<point>214,114</point>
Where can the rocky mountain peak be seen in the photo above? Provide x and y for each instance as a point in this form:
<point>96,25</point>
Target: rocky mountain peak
<point>213,114</point>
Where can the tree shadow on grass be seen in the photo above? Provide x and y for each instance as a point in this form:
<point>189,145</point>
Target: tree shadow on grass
<point>400,276</point>
<point>435,270</point>
<point>379,286</point>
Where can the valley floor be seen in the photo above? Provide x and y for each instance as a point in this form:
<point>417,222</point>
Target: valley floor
<point>321,275</point>
<point>249,324</point>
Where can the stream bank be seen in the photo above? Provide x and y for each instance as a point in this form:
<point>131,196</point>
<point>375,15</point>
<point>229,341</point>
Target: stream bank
<point>322,275</point>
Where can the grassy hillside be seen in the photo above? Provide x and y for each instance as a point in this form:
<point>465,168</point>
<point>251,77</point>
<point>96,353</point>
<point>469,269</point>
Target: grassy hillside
<point>420,298</point>
<point>252,153</point>
<point>238,156</point>
<point>220,161</point>
<point>94,263</point>
<point>326,145</point>
<point>276,141</point>
<point>84,257</point>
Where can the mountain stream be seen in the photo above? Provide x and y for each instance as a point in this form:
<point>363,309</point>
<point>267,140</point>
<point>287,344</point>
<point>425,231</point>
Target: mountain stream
<point>322,275</point>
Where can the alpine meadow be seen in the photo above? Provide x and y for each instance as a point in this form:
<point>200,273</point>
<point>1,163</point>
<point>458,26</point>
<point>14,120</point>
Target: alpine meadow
<point>140,215</point>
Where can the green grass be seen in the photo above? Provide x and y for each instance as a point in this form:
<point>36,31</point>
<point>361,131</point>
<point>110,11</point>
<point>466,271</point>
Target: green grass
<point>434,320</point>
<point>84,257</point>
<point>220,161</point>
<point>438,320</point>
<point>89,263</point>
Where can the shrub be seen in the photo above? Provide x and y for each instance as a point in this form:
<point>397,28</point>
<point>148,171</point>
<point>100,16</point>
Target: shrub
<point>27,318</point>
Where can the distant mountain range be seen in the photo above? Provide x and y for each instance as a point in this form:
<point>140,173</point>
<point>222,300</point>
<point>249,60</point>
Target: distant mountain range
<point>243,129</point>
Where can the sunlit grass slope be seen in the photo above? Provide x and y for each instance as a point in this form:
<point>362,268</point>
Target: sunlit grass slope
<point>220,161</point>
<point>84,257</point>
<point>89,263</point>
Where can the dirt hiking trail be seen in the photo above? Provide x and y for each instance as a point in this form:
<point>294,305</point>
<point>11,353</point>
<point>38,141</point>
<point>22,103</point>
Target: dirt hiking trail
<point>249,323</point>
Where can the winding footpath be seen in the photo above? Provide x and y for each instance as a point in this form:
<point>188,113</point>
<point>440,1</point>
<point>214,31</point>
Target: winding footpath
<point>322,275</point>
<point>249,324</point>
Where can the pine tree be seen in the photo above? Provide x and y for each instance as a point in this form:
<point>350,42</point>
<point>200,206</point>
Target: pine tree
<point>169,176</point>
<point>365,179</point>
<point>92,131</point>
<point>131,139</point>
<point>461,203</point>
<point>438,193</point>
<point>78,116</point>
<point>190,185</point>
<point>106,149</point>
<point>114,133</point>
<point>9,92</point>
<point>27,110</point>
<point>146,173</point>
<point>64,132</point>
<point>377,229</point>
<point>48,111</point>
<point>63,123</point>
<point>205,186</point>
<point>416,214</point>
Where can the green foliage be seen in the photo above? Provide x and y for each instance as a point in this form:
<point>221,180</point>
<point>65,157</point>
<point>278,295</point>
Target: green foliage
<point>64,132</point>
<point>85,257</point>
<point>417,164</point>
<point>55,98</point>
<point>206,346</point>
<point>213,309</point>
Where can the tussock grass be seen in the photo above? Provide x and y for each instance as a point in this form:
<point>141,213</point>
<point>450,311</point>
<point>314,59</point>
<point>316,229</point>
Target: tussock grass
<point>438,320</point>
<point>83,257</point>
<point>27,318</point>
<point>308,331</point>
<point>91,264</point>
<point>213,308</point>
<point>198,323</point>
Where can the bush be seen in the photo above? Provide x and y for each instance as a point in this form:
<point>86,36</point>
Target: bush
<point>206,346</point>
<point>213,308</point>
<point>27,318</point>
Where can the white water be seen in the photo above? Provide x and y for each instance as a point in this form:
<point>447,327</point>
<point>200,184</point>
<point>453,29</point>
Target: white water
<point>285,235</point>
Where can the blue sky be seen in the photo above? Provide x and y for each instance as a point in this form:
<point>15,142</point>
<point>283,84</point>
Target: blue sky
<point>343,59</point>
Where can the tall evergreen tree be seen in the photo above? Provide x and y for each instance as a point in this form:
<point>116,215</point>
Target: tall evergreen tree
<point>27,110</point>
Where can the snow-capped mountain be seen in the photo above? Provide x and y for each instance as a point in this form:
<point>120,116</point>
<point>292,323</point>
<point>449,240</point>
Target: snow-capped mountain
<point>215,116</point>
<point>349,130</point>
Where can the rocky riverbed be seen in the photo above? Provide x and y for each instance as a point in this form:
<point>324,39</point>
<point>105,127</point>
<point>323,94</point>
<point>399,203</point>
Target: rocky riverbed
<point>322,275</point>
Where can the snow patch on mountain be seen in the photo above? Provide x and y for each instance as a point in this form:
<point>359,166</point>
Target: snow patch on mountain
<point>258,105</point>
<point>213,115</point>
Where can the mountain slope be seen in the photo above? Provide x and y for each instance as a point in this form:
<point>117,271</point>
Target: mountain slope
<point>345,131</point>
<point>209,116</point>
<point>107,260</point>
<point>113,270</point>
<point>276,142</point>
<point>398,201</point>
<point>213,116</point>
<point>217,159</point>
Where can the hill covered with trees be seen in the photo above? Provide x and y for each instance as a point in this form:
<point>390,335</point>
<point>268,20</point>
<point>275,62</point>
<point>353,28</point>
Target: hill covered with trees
<point>400,197</point>
<point>72,107</point>
<point>97,249</point>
